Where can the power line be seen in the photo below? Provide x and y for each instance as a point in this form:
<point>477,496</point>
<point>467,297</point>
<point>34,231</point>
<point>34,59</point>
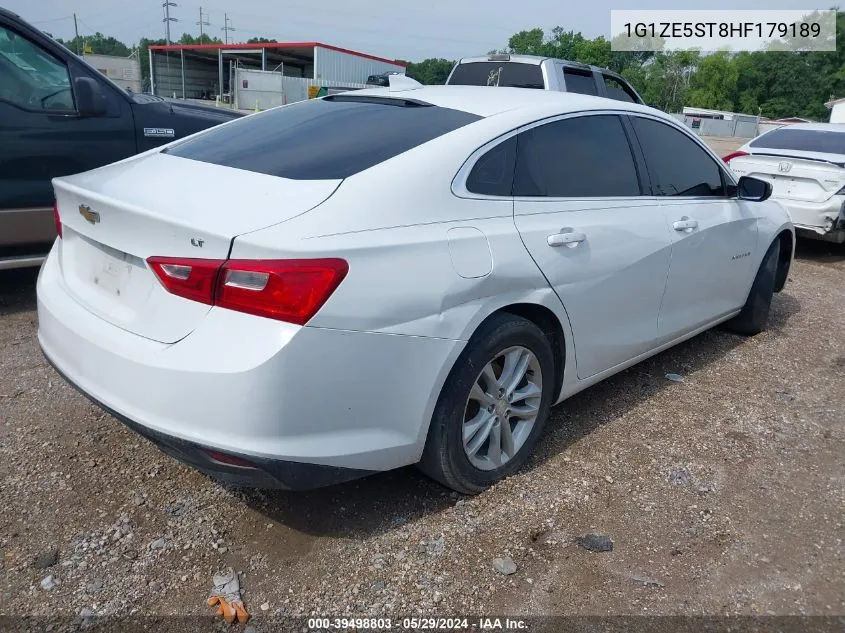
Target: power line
<point>67,17</point>
<point>167,19</point>
<point>352,28</point>
<point>226,28</point>
<point>131,17</point>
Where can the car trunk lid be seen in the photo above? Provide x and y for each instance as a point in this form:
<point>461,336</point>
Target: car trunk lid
<point>116,217</point>
<point>793,176</point>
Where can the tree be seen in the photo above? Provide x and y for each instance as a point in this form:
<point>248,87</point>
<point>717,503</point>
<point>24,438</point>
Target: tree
<point>430,71</point>
<point>713,84</point>
<point>144,56</point>
<point>528,43</point>
<point>98,44</point>
<point>260,40</point>
<point>189,39</point>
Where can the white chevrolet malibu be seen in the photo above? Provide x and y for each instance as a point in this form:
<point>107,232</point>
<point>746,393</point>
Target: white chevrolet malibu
<point>393,276</point>
<point>805,164</point>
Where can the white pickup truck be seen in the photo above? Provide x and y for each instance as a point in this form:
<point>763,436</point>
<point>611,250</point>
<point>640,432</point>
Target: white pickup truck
<point>541,73</point>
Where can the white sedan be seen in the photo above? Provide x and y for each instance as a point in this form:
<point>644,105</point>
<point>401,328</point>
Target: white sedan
<point>393,276</point>
<point>805,164</point>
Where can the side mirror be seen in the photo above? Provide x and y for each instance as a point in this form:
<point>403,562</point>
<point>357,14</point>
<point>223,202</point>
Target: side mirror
<point>90,100</point>
<point>753,189</point>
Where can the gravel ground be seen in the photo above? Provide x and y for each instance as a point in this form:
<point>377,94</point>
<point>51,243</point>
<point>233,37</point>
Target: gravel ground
<point>724,145</point>
<point>721,494</point>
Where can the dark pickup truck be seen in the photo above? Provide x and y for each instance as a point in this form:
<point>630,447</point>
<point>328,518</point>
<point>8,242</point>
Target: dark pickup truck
<point>60,116</point>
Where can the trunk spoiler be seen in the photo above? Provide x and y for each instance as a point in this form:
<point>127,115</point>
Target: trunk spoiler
<point>817,160</point>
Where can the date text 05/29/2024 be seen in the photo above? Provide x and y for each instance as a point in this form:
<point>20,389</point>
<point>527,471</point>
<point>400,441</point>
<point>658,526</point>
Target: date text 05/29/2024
<point>418,624</point>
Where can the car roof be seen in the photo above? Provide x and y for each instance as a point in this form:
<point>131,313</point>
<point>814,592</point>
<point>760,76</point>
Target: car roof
<point>528,59</point>
<point>486,101</point>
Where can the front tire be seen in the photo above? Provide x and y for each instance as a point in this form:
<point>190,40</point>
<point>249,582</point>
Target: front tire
<point>752,319</point>
<point>493,406</point>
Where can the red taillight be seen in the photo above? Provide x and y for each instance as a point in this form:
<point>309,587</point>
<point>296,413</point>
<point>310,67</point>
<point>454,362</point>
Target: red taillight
<point>290,290</point>
<point>190,278</point>
<point>729,157</point>
<point>56,219</point>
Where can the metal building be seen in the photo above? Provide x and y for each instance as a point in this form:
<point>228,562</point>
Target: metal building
<point>124,71</point>
<point>211,71</point>
<point>719,122</point>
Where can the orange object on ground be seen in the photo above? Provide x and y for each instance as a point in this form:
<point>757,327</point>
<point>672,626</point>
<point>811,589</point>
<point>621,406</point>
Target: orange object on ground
<point>226,596</point>
<point>231,611</point>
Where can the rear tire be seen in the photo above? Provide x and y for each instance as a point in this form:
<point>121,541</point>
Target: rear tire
<point>473,402</point>
<point>752,319</point>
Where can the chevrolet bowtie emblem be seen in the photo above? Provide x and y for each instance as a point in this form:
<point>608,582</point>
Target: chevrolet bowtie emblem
<point>92,217</point>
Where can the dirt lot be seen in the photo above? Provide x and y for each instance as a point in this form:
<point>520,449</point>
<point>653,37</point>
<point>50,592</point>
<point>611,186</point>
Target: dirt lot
<point>722,494</point>
<point>724,145</point>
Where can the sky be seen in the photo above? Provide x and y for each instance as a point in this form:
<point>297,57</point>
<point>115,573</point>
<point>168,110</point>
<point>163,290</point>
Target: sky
<point>397,29</point>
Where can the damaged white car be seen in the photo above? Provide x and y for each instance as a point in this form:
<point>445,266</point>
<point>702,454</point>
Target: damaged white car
<point>805,163</point>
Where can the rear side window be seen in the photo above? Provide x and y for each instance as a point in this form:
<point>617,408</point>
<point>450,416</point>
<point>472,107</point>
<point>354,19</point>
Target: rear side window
<point>618,90</point>
<point>323,139</point>
<point>580,157</point>
<point>501,74</point>
<point>579,81</point>
<point>825,141</point>
<point>677,165</point>
<point>492,175</point>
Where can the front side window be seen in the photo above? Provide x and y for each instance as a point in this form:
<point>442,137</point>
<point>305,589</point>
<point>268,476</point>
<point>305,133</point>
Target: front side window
<point>586,156</point>
<point>323,139</point>
<point>677,165</point>
<point>31,78</point>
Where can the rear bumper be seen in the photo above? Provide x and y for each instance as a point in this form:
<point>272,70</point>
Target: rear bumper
<point>821,220</point>
<point>269,392</point>
<point>261,473</point>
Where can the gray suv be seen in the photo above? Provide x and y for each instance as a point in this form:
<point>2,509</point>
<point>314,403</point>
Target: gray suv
<point>541,73</point>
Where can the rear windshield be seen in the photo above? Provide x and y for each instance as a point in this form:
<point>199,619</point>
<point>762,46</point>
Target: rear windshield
<point>824,141</point>
<point>502,74</point>
<point>323,139</point>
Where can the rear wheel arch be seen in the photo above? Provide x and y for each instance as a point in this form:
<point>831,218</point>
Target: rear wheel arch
<point>540,315</point>
<point>787,247</point>
<point>444,455</point>
<point>549,323</point>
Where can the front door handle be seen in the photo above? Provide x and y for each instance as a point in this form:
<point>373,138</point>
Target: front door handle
<point>685,224</point>
<point>570,239</point>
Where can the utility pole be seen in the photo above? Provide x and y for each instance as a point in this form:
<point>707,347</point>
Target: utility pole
<point>226,28</point>
<point>76,30</point>
<point>202,23</point>
<point>167,19</point>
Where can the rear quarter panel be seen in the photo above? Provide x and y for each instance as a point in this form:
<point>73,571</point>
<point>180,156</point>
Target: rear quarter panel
<point>407,240</point>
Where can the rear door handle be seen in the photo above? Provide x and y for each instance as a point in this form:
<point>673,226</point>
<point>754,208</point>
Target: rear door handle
<point>685,224</point>
<point>570,239</point>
